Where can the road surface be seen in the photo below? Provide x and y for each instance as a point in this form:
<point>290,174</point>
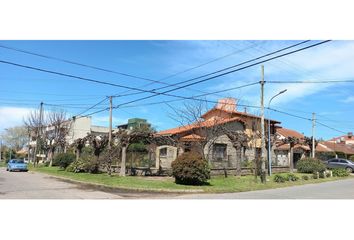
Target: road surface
<point>341,189</point>
<point>34,185</point>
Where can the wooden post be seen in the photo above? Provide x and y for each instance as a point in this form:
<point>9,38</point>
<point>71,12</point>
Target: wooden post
<point>124,158</point>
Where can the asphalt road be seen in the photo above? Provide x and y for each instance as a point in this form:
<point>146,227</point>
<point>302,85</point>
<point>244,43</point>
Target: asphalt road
<point>34,185</point>
<point>341,189</point>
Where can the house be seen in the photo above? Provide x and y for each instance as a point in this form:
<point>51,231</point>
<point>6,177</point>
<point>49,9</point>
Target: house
<point>214,143</point>
<point>78,127</point>
<point>281,150</point>
<point>135,123</point>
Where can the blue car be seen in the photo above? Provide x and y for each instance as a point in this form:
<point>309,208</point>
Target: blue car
<point>16,165</point>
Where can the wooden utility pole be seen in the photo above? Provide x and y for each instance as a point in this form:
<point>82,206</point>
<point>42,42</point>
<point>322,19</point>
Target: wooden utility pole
<point>263,170</point>
<point>110,123</point>
<point>313,134</point>
<point>39,133</point>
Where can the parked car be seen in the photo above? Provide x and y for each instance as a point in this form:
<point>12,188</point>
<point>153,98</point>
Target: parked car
<point>16,165</point>
<point>340,163</point>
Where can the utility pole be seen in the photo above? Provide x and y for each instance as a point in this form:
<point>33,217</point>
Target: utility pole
<point>0,148</point>
<point>110,123</point>
<point>262,130</point>
<point>313,134</point>
<point>39,133</point>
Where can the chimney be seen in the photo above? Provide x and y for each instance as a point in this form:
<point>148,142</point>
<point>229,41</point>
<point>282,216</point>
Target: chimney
<point>227,104</point>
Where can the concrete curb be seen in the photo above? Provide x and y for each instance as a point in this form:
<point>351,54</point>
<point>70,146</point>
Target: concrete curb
<point>127,189</point>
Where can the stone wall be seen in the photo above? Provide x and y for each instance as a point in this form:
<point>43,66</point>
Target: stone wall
<point>246,171</point>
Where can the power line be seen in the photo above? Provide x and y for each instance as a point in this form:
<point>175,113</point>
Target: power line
<point>321,81</point>
<point>151,91</point>
<point>235,70</point>
<point>103,100</point>
<point>125,74</point>
<point>227,68</point>
<point>266,60</point>
<point>192,68</point>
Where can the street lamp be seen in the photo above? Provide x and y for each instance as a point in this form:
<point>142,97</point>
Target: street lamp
<point>269,142</point>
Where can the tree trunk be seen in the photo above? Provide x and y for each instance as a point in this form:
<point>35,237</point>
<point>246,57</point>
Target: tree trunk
<point>291,159</point>
<point>77,154</point>
<point>122,165</point>
<point>238,160</point>
<point>51,157</point>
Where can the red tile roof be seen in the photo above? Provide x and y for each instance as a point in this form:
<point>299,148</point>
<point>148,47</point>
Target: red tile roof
<point>207,123</point>
<point>289,133</point>
<point>236,113</point>
<point>339,147</point>
<point>344,137</point>
<point>192,137</point>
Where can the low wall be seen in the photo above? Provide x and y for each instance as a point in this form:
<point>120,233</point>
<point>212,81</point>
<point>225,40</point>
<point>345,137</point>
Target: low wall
<point>246,171</point>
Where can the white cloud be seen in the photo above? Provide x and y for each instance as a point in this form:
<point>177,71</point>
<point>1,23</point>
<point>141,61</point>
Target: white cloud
<point>104,121</point>
<point>326,62</point>
<point>12,116</point>
<point>349,99</point>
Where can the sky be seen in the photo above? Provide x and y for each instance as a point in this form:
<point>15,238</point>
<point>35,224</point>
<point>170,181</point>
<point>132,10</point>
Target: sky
<point>22,89</point>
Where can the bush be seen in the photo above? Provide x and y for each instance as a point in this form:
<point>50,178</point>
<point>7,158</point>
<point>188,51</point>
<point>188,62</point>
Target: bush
<point>328,174</point>
<point>340,172</point>
<point>310,165</point>
<point>292,177</point>
<point>315,175</point>
<point>86,163</point>
<point>190,169</point>
<point>63,159</point>
<point>322,174</point>
<point>305,177</point>
<point>351,158</point>
<point>279,178</point>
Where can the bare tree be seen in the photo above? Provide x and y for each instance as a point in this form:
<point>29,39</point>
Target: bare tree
<point>33,122</point>
<point>239,140</point>
<point>16,137</point>
<point>189,116</point>
<point>57,129</point>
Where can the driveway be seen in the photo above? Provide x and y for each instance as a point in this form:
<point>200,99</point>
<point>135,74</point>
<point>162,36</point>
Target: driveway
<point>341,189</point>
<point>34,185</point>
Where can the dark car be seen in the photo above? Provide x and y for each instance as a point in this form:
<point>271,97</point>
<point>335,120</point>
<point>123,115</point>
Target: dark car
<point>16,165</point>
<point>340,163</point>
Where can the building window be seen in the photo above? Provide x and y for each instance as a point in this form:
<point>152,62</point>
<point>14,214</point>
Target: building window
<point>163,152</point>
<point>219,151</point>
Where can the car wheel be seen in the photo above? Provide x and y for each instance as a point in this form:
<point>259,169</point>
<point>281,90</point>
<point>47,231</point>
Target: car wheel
<point>7,169</point>
<point>349,170</point>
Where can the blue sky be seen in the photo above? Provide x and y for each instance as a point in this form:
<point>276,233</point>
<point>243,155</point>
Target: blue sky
<point>23,89</point>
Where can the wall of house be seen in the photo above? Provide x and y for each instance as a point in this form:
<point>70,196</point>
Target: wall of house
<point>164,160</point>
<point>231,154</point>
<point>79,129</point>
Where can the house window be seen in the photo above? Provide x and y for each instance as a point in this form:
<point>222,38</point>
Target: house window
<point>219,151</point>
<point>163,152</point>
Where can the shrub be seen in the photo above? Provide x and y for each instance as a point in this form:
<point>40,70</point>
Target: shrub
<point>190,169</point>
<point>310,165</point>
<point>328,174</point>
<point>292,177</point>
<point>63,160</point>
<point>86,163</point>
<point>322,174</point>
<point>305,177</point>
<point>279,178</point>
<point>340,172</point>
<point>351,158</point>
<point>315,175</point>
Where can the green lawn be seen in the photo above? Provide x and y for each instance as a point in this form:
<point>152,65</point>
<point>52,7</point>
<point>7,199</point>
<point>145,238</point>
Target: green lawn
<point>217,184</point>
